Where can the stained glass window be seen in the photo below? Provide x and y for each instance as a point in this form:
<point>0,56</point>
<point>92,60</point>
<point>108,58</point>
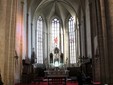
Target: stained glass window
<point>55,33</point>
<point>72,50</point>
<point>39,40</point>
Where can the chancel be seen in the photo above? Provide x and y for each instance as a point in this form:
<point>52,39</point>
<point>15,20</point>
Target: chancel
<point>56,42</point>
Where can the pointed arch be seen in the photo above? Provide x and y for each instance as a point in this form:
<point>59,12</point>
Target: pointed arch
<point>72,41</point>
<point>39,38</point>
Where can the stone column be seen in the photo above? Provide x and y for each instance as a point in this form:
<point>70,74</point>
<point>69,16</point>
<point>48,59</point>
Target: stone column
<point>103,44</point>
<point>10,26</point>
<point>107,6</point>
<point>3,5</point>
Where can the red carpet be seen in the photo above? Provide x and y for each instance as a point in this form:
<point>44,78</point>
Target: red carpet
<point>45,83</point>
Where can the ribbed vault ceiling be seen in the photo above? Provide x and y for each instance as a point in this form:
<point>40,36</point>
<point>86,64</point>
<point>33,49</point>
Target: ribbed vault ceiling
<point>50,8</point>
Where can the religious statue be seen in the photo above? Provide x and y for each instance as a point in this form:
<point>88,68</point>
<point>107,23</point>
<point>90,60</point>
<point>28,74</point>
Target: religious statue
<point>33,57</point>
<point>56,50</point>
<point>56,59</point>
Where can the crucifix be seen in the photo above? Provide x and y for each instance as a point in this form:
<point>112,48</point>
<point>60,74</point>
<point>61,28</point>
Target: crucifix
<point>56,40</point>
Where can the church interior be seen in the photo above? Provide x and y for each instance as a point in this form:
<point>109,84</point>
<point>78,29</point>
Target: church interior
<point>56,42</point>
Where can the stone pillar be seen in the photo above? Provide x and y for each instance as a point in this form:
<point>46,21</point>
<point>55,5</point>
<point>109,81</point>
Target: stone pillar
<point>66,45</point>
<point>103,44</point>
<point>94,40</point>
<point>108,6</point>
<point>9,43</point>
<point>99,41</point>
<point>3,5</point>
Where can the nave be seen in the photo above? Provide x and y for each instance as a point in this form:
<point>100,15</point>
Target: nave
<point>68,40</point>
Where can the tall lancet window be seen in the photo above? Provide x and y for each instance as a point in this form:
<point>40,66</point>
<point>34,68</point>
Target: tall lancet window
<point>72,50</point>
<point>55,37</point>
<point>39,40</point>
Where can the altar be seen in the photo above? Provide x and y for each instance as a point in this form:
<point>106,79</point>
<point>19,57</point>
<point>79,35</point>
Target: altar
<point>56,72</point>
<point>57,79</point>
<point>56,58</point>
<point>56,76</point>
